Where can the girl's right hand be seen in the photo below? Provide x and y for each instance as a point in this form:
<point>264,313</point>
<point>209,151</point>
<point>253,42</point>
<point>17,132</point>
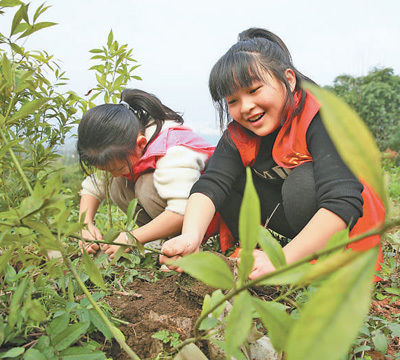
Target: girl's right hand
<point>177,247</point>
<point>92,233</point>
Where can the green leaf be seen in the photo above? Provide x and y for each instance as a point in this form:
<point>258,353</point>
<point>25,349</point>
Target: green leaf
<point>21,27</point>
<point>28,109</point>
<point>208,323</point>
<point>70,335</point>
<point>92,270</point>
<point>249,218</point>
<point>36,27</point>
<point>131,211</point>
<point>10,3</point>
<point>58,324</point>
<point>291,276</point>
<point>390,290</point>
<point>100,324</point>
<point>380,342</point>
<point>352,139</point>
<point>208,303</point>
<point>246,264</point>
<point>80,353</point>
<point>330,321</point>
<point>16,302</point>
<point>110,38</point>
<point>34,354</point>
<point>12,353</point>
<point>341,237</point>
<point>6,70</point>
<point>39,11</point>
<point>45,237</point>
<point>5,258</point>
<point>96,51</point>
<point>272,248</point>
<point>35,310</point>
<point>328,265</point>
<point>111,235</point>
<point>239,322</point>
<point>190,351</point>
<point>276,320</point>
<point>17,19</point>
<point>208,268</point>
<point>18,50</point>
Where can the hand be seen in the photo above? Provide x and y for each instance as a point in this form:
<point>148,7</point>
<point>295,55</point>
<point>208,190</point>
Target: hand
<point>92,233</point>
<point>111,250</point>
<point>176,248</point>
<point>262,265</point>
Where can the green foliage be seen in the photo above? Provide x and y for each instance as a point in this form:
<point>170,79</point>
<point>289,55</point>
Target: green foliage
<point>115,69</point>
<point>35,116</point>
<point>376,98</point>
<point>167,338</point>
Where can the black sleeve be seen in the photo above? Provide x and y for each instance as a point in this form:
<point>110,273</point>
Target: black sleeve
<point>223,170</point>
<point>338,190</point>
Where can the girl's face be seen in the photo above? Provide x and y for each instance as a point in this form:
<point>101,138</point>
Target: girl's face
<point>259,106</point>
<point>118,168</point>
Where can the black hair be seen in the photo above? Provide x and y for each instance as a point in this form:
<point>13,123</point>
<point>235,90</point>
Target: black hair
<point>109,132</point>
<point>257,52</point>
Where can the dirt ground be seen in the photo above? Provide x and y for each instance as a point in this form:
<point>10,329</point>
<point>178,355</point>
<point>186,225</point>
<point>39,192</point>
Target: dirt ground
<point>384,308</point>
<point>172,304</point>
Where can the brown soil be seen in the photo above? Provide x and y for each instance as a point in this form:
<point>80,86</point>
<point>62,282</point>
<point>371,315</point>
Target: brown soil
<point>172,304</point>
<point>390,311</point>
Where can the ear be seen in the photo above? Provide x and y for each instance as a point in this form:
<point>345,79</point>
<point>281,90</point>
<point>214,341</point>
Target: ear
<point>291,78</point>
<point>141,143</point>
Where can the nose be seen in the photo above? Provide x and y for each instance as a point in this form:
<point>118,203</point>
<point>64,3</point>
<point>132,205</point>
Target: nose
<point>246,105</point>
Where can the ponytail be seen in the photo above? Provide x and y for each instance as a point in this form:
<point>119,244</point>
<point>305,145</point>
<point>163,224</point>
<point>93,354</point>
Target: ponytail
<point>253,33</point>
<point>149,110</point>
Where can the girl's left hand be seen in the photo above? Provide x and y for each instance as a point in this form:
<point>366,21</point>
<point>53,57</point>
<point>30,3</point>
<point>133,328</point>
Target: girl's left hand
<point>262,265</point>
<point>111,250</point>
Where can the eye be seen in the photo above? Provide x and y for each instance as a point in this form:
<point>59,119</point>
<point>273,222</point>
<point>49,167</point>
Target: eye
<point>230,102</point>
<point>252,91</point>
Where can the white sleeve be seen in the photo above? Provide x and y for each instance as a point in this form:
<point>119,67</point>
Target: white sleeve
<point>175,174</point>
<point>94,186</point>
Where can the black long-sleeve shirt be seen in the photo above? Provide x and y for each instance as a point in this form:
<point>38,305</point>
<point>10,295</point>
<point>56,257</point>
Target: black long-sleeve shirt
<point>337,188</point>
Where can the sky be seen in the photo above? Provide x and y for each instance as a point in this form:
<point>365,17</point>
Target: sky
<point>177,42</point>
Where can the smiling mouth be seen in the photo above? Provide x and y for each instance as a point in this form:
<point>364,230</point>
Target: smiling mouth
<point>258,117</point>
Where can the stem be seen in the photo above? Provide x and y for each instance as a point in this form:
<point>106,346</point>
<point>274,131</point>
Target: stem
<point>17,165</point>
<point>379,230</point>
<point>110,326</point>
<point>14,158</point>
<point>91,241</point>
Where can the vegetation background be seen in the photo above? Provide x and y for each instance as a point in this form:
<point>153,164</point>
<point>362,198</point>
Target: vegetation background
<point>55,307</point>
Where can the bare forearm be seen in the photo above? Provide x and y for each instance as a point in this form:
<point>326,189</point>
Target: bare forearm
<point>198,215</point>
<point>166,224</point>
<point>88,204</point>
<point>314,236</point>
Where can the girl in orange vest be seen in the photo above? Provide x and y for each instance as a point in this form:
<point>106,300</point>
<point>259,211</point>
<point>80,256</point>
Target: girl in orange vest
<point>150,156</point>
<point>306,192</point>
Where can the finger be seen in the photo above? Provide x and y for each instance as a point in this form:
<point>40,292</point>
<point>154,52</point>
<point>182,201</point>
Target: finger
<point>171,248</point>
<point>166,259</point>
<point>95,247</point>
<point>104,247</point>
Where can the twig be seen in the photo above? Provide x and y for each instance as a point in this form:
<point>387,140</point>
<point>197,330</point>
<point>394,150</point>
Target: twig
<point>379,230</point>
